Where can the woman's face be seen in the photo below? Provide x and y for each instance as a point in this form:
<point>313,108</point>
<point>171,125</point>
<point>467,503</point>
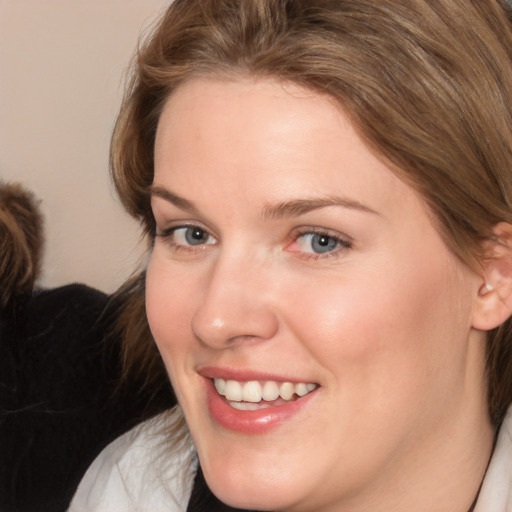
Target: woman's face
<point>294,271</point>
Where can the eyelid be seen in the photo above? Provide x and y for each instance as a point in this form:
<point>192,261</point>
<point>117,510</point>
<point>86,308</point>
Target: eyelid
<point>170,227</point>
<point>345,241</point>
<point>166,235</point>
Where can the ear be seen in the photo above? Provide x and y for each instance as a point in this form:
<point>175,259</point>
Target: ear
<point>494,302</point>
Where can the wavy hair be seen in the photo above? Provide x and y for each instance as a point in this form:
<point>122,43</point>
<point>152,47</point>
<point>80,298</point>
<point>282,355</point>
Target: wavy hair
<point>427,85</point>
<point>21,243</point>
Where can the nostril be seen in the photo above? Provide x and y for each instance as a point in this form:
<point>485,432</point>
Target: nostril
<point>222,326</point>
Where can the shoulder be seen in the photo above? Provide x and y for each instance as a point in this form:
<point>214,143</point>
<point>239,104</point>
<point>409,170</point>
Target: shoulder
<point>140,471</point>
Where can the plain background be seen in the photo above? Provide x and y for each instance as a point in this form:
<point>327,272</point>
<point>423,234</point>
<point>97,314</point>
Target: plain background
<point>62,64</point>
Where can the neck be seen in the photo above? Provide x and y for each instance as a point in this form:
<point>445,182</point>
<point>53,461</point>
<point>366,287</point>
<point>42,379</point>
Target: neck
<point>432,473</point>
<point>446,475</point>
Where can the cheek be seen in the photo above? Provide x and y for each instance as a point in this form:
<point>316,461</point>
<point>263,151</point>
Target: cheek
<point>382,330</point>
<point>169,306</point>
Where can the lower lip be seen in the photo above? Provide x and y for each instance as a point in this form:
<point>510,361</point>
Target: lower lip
<point>251,422</point>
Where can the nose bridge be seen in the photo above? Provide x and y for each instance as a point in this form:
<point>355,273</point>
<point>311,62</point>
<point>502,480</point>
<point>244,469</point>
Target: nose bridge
<point>235,301</point>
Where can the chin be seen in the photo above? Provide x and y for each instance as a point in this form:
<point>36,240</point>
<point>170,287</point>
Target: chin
<point>251,489</point>
<point>253,500</point>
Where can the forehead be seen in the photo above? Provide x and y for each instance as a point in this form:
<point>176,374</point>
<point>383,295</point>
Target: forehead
<point>267,139</point>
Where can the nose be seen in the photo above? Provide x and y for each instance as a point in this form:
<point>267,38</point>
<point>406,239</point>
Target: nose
<point>235,305</point>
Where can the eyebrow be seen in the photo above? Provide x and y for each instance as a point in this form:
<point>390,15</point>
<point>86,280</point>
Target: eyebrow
<point>297,207</point>
<point>176,200</point>
<point>292,208</point>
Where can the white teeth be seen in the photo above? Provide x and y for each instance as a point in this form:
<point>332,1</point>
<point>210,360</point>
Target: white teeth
<point>270,391</point>
<point>286,390</point>
<point>220,386</point>
<point>301,389</point>
<point>254,392</point>
<point>251,392</point>
<point>233,391</point>
<point>245,406</point>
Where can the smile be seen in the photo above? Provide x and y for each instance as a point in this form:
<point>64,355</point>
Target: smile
<point>251,402</point>
<point>253,394</point>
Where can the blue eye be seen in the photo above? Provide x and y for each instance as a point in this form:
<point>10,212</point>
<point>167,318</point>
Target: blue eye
<point>323,243</point>
<point>186,236</point>
<point>318,243</point>
<point>193,235</point>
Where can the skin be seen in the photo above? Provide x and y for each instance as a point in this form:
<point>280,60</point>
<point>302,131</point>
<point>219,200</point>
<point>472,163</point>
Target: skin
<point>384,323</point>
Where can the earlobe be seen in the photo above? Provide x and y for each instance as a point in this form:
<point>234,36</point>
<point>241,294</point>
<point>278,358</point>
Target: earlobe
<point>494,302</point>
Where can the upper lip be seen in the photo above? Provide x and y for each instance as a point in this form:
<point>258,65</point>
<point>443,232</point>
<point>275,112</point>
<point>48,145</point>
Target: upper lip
<point>245,375</point>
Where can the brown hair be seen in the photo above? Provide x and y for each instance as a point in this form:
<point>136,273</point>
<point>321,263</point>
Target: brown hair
<point>427,84</point>
<point>21,243</point>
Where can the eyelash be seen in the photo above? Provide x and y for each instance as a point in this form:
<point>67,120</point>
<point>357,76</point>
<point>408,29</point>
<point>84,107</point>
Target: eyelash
<point>342,243</point>
<point>168,236</point>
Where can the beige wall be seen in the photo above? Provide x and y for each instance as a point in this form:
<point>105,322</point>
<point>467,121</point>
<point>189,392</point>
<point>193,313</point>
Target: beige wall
<point>61,63</point>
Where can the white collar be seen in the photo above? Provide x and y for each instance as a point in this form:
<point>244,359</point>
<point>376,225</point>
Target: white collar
<point>496,492</point>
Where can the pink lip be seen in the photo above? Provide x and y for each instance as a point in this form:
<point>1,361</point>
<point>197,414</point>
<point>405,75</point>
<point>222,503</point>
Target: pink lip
<point>249,422</point>
<point>213,372</point>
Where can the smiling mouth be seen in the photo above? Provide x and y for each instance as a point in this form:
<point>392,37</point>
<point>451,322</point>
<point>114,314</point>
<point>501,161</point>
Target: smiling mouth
<point>254,395</point>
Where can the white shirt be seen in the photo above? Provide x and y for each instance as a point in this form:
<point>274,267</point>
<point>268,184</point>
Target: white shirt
<point>496,492</point>
<point>131,474</point>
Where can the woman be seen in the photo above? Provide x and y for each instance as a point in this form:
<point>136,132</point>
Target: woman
<point>326,185</point>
